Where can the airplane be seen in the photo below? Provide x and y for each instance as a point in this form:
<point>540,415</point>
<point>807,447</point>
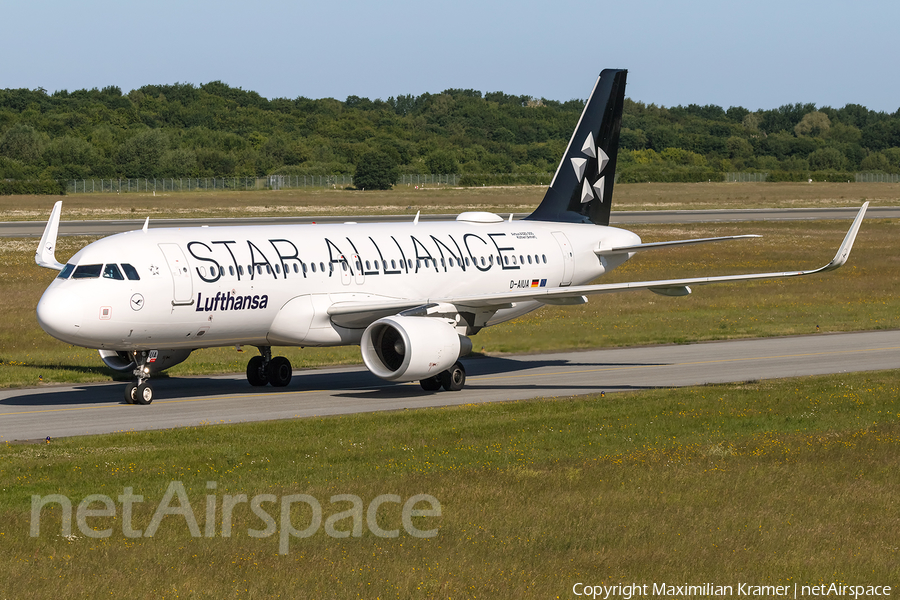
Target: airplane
<point>409,294</point>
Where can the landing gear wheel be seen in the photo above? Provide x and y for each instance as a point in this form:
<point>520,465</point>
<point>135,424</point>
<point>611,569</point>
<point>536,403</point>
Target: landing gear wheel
<point>432,384</point>
<point>256,371</point>
<point>131,392</point>
<point>144,393</point>
<point>278,371</point>
<point>454,378</point>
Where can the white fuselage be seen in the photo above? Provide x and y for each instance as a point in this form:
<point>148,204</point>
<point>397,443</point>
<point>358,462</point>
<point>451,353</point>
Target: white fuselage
<point>273,285</point>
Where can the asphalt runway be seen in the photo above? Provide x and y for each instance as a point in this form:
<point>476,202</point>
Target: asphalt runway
<point>66,228</point>
<point>62,411</point>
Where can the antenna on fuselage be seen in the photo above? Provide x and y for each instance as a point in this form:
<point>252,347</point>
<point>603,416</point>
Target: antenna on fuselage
<point>146,224</point>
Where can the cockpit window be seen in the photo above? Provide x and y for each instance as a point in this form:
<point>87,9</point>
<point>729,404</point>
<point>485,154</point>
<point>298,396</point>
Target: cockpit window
<point>66,271</point>
<point>87,271</point>
<point>112,272</point>
<point>130,272</point>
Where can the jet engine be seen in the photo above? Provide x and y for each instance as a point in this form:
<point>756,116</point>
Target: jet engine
<point>401,348</point>
<point>122,360</point>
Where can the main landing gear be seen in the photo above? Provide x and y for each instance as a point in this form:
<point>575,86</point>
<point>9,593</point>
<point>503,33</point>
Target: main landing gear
<point>139,390</point>
<point>264,369</point>
<point>452,380</point>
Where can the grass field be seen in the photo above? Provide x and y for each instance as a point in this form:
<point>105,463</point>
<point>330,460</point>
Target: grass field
<point>767,483</point>
<point>408,200</point>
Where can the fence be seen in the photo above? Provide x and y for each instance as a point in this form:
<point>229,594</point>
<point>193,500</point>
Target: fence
<point>278,182</point>
<point>877,178</point>
<point>271,182</point>
<point>189,184</point>
<point>746,177</point>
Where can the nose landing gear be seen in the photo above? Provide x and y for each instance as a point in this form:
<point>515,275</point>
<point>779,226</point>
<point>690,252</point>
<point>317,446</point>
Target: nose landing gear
<point>139,390</point>
<point>264,369</point>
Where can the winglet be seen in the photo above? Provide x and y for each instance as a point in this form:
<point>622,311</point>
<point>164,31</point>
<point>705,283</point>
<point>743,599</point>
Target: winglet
<point>45,255</point>
<point>843,252</point>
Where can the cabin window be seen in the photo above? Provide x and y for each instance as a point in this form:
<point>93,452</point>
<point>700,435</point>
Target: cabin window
<point>112,272</point>
<point>313,266</point>
<point>87,272</point>
<point>467,261</point>
<point>529,259</point>
<point>277,269</point>
<point>66,271</point>
<point>544,256</point>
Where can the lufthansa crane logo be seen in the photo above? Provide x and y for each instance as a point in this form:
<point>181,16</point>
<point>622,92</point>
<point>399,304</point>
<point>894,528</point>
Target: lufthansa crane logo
<point>137,302</point>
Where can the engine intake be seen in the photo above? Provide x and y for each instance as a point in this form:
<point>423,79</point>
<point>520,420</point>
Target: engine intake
<point>400,348</point>
<point>121,360</point>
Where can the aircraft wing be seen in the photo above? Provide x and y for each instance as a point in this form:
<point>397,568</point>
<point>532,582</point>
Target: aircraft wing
<point>359,313</point>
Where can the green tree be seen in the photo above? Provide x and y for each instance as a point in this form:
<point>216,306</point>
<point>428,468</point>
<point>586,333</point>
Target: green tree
<point>739,147</point>
<point>814,124</point>
<point>442,162</point>
<point>23,143</point>
<point>375,171</point>
<point>140,156</point>
<point>875,162</point>
<point>827,159</point>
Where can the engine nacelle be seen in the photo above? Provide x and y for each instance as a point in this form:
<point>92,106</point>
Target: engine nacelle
<point>122,360</point>
<point>411,348</point>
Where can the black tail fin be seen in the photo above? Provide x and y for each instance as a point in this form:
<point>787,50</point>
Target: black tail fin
<point>581,190</point>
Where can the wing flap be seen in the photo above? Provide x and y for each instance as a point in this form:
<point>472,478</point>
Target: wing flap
<point>657,245</point>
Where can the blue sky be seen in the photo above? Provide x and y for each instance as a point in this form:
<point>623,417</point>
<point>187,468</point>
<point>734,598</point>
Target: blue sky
<point>760,54</point>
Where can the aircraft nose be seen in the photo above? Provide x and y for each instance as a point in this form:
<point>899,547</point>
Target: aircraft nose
<point>60,315</point>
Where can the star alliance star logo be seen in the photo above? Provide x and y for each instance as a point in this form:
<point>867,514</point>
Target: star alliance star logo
<point>590,191</point>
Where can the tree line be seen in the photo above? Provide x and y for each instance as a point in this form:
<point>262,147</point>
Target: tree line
<point>214,130</point>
